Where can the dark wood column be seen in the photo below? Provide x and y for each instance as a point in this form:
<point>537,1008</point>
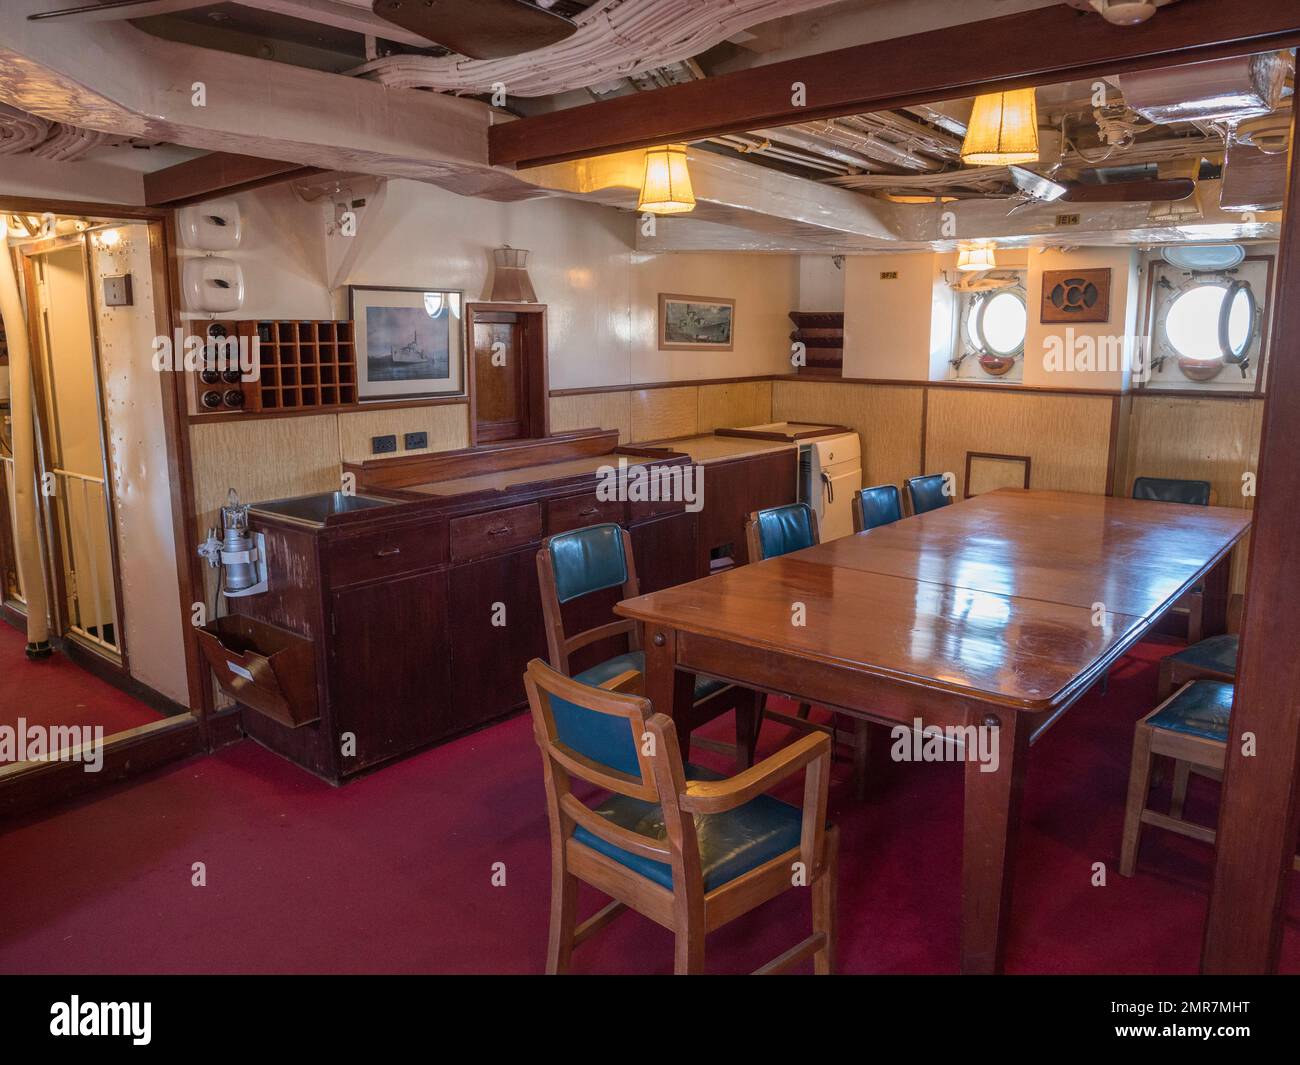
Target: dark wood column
<point>1258,814</point>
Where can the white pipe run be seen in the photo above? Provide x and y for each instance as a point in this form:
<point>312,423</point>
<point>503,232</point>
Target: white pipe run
<point>614,39</point>
<point>26,549</point>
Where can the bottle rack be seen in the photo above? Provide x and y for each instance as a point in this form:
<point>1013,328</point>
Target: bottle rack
<point>305,365</point>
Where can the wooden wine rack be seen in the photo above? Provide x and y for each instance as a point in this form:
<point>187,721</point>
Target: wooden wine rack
<point>305,365</point>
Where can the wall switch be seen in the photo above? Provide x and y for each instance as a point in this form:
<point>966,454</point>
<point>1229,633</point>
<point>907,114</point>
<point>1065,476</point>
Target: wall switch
<point>117,290</point>
<point>414,441</point>
<point>383,445</point>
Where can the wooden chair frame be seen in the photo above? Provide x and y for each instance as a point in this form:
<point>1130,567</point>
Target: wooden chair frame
<point>909,509</point>
<point>559,646</point>
<point>857,504</point>
<point>861,741</point>
<point>688,911</point>
<point>1190,754</point>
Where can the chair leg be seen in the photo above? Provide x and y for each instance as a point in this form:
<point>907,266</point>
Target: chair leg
<point>1195,617</point>
<point>1138,782</point>
<point>825,900</point>
<point>1182,770</point>
<point>564,910</point>
<point>861,757</point>
<point>688,950</point>
<point>804,710</point>
<point>1165,685</point>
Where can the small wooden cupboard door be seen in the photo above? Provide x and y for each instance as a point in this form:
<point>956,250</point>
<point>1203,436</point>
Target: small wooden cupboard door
<point>500,377</point>
<point>391,667</point>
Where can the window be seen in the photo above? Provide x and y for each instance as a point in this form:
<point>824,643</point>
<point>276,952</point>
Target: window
<point>1207,325</point>
<point>991,333</point>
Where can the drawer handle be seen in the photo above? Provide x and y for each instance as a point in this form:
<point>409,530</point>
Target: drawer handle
<point>501,531</point>
<point>388,552</point>
<point>588,512</point>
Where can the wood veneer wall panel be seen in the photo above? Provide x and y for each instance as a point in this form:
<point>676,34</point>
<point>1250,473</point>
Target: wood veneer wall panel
<point>597,410</point>
<point>447,426</point>
<point>739,403</point>
<point>262,458</point>
<point>663,413</point>
<point>1066,437</point>
<point>887,419</point>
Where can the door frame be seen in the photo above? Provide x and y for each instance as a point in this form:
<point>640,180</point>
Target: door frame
<point>533,334</point>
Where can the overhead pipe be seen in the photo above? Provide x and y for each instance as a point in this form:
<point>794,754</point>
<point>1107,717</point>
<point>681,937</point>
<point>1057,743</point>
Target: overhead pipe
<point>27,546</point>
<point>614,39</point>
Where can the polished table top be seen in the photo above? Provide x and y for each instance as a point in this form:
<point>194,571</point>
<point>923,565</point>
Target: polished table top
<point>994,597</point>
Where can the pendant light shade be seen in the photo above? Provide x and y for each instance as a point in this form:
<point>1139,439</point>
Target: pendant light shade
<point>510,281</point>
<point>1003,129</point>
<point>666,186</point>
<point>976,257</point>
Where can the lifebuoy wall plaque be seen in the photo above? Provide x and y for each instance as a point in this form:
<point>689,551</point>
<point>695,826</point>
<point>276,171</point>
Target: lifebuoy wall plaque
<point>1076,295</point>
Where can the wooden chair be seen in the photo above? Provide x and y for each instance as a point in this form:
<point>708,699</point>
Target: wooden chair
<point>879,505</point>
<point>583,562</point>
<point>778,531</point>
<point>926,493</point>
<point>1191,727</point>
<point>673,842</point>
<point>1192,493</point>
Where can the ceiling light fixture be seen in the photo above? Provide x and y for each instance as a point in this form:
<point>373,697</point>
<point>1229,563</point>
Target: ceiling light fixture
<point>666,185</point>
<point>1003,129</point>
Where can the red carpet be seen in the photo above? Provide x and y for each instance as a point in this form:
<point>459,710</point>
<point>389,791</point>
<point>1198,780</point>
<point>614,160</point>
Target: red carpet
<point>57,692</point>
<point>393,873</point>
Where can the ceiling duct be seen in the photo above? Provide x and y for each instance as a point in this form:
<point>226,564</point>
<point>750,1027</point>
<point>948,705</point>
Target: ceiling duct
<point>1223,89</point>
<point>19,131</point>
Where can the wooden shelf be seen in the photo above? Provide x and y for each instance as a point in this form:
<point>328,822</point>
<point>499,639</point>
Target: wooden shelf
<point>305,366</point>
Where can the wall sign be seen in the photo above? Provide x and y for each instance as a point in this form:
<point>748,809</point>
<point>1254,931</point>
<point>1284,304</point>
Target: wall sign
<point>1076,295</point>
<point>695,323</point>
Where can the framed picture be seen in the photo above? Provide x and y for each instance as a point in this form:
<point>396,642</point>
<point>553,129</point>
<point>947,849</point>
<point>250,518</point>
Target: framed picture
<point>695,323</point>
<point>1076,295</point>
<point>409,341</point>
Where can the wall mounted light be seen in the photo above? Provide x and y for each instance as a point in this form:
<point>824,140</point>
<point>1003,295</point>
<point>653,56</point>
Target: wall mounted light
<point>510,281</point>
<point>666,184</point>
<point>976,257</point>
<point>1003,129</point>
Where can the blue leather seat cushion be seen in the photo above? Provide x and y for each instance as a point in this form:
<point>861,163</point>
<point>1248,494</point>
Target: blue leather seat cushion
<point>612,667</point>
<point>1218,653</point>
<point>731,844</point>
<point>1202,709</point>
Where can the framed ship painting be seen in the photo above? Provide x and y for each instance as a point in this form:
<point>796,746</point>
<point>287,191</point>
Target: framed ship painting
<point>695,323</point>
<point>409,342</point>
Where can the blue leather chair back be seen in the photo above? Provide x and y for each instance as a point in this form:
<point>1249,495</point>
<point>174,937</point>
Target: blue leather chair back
<point>926,493</point>
<point>605,738</point>
<point>588,560</point>
<point>880,505</point>
<point>785,529</point>
<point>1170,490</point>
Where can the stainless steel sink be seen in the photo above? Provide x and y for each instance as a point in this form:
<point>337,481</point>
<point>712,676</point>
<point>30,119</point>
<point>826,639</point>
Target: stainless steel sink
<point>318,509</point>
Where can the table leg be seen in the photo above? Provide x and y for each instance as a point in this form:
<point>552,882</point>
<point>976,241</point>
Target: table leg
<point>1216,590</point>
<point>992,818</point>
<point>670,690</point>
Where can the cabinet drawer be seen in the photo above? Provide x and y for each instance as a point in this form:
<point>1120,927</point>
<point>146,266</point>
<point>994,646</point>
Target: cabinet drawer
<point>478,535</point>
<point>575,512</point>
<point>385,553</point>
<point>644,510</point>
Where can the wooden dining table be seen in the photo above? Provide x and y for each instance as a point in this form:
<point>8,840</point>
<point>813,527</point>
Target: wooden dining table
<point>999,611</point>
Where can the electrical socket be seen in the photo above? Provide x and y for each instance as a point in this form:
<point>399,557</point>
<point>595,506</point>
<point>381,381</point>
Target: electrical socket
<point>414,441</point>
<point>382,445</point>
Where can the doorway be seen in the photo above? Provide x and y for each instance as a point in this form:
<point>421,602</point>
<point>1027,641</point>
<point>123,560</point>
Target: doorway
<point>508,342</point>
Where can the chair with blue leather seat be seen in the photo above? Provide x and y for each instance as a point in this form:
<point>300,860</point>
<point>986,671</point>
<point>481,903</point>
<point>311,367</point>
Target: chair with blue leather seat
<point>575,565</point>
<point>1193,493</point>
<point>771,533</point>
<point>1191,727</point>
<point>879,505</point>
<point>1214,658</point>
<point>927,493</point>
<point>677,844</point>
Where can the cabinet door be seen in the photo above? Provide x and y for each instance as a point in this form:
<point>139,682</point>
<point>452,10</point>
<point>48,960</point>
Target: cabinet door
<point>665,551</point>
<point>392,666</point>
<point>497,611</point>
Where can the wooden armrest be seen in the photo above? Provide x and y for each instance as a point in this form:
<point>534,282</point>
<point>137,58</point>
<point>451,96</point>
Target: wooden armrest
<point>718,796</point>
<point>629,681</point>
<point>601,632</point>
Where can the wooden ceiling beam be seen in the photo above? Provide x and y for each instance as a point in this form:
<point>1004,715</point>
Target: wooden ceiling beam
<point>215,174</point>
<point>1051,44</point>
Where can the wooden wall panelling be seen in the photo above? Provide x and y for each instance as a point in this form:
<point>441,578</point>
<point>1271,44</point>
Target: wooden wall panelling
<point>447,426</point>
<point>739,403</point>
<point>887,419</point>
<point>1067,437</point>
<point>664,413</point>
<point>603,410</point>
